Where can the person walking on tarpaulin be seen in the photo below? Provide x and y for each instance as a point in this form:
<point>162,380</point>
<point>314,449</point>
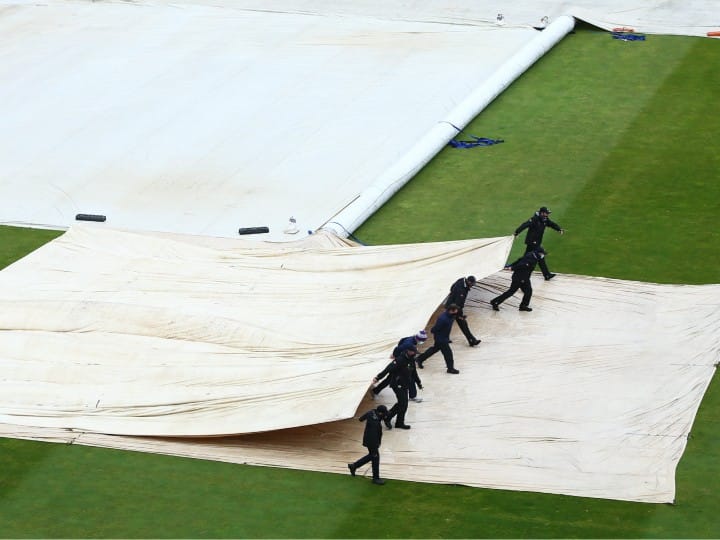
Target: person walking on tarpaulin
<point>402,371</point>
<point>458,294</point>
<point>441,333</point>
<point>522,270</point>
<point>536,229</point>
<point>371,440</point>
<point>404,344</point>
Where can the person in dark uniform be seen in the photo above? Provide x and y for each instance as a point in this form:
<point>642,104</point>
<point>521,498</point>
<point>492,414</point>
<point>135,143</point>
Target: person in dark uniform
<point>533,239</point>
<point>522,270</point>
<point>458,294</point>
<point>402,371</point>
<point>371,440</point>
<point>441,333</point>
<point>409,342</point>
<point>404,344</point>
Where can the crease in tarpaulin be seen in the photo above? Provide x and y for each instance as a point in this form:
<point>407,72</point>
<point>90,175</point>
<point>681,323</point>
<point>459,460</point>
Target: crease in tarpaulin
<point>582,371</point>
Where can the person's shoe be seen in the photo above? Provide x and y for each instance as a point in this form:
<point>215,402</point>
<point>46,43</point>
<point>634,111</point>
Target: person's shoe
<point>550,276</point>
<point>475,342</point>
<point>352,468</point>
<point>419,364</point>
<point>417,399</point>
<point>387,423</point>
<point>378,481</point>
<point>402,426</point>
<point>525,308</point>
<point>453,371</point>
<point>495,306</point>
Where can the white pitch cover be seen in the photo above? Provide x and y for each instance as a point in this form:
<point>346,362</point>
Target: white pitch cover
<point>208,116</point>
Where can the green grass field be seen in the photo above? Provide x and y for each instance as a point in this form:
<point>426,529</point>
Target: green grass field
<point>621,140</point>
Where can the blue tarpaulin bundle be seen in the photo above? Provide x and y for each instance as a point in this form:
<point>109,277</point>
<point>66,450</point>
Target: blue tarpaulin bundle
<point>476,141</point>
<point>628,36</point>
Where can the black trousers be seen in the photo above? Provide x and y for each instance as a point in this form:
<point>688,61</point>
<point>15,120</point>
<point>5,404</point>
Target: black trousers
<point>465,329</point>
<point>442,347</point>
<point>516,284</point>
<point>400,408</point>
<point>374,456</point>
<point>541,262</point>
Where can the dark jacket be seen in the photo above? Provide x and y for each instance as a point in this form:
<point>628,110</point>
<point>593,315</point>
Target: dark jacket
<point>404,344</point>
<point>523,267</point>
<point>373,429</point>
<point>402,371</point>
<point>441,329</point>
<point>458,293</point>
<point>536,228</point>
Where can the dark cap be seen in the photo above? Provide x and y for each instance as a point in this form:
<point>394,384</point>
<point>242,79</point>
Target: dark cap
<point>382,409</point>
<point>471,279</point>
<point>544,209</point>
<point>453,306</point>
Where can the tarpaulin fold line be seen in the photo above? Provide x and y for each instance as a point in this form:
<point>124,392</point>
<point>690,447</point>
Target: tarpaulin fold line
<point>592,394</point>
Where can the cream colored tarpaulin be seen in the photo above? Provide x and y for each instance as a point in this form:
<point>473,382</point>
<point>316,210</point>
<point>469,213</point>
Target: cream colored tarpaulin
<point>143,334</point>
<point>592,394</point>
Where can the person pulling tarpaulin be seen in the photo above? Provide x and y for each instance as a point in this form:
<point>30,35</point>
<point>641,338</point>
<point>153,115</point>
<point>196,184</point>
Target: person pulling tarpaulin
<point>458,294</point>
<point>402,371</point>
<point>535,230</point>
<point>404,344</point>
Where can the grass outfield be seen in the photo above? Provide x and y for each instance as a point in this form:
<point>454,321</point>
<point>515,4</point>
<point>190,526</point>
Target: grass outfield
<point>621,141</point>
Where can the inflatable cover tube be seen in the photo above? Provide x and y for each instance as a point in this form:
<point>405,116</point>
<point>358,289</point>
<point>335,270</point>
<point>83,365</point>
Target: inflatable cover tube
<point>373,197</point>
